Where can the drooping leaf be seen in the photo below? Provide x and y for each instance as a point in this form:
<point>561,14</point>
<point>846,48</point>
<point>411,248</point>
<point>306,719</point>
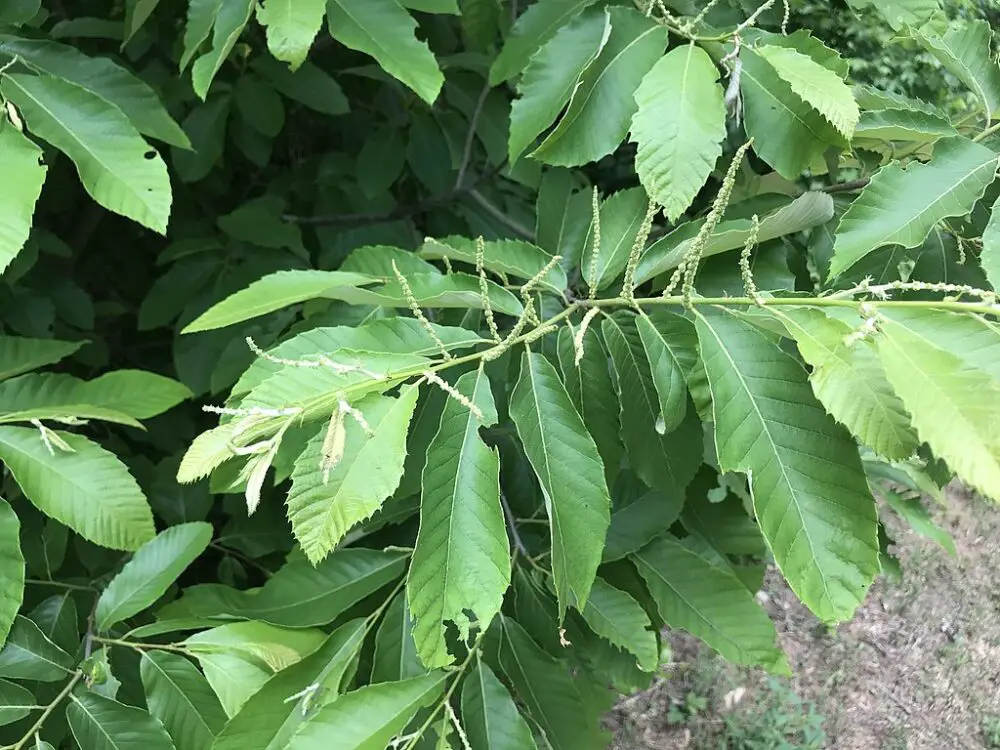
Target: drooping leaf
<point>709,602</point>
<point>29,655</point>
<point>384,30</point>
<point>368,718</point>
<point>639,522</point>
<point>19,354</point>
<point>668,365</point>
<point>87,489</point>
<point>902,125</point>
<point>679,127</point>
<point>915,514</point>
<point>563,216</point>
<point>850,382</point>
<point>21,162</point>
<point>809,490</point>
<point>490,716</point>
<point>551,76</point>
<point>395,656</point>
<point>57,618</point>
<point>271,293</point>
<point>513,257</point>
<point>180,698</point>
<point>11,569</point>
<point>16,702</point>
<point>536,26</point>
<point>569,468</point>
<point>268,720</point>
<point>309,85</point>
<point>621,218</point>
<point>150,572</point>
<point>291,27</point>
<point>461,563</point>
<point>965,51</point>
<point>598,116</point>
<point>226,19</point>
<point>326,502</point>
<point>901,206</point>
<point>119,170</point>
<point>103,724</point>
<point>137,12</point>
<point>616,616</point>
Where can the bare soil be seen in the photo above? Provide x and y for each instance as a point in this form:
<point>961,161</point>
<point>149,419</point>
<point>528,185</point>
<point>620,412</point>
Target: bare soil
<point>917,669</point>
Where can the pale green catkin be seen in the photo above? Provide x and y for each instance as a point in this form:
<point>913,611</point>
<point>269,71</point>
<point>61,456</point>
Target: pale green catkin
<point>497,351</point>
<point>484,289</point>
<point>411,300</point>
<point>580,334</point>
<point>635,254</point>
<point>746,272</point>
<point>454,393</point>
<point>595,244</point>
<point>333,444</point>
<point>529,307</point>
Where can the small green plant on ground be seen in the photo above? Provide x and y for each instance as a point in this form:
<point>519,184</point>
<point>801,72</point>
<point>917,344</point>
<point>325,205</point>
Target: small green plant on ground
<point>991,732</point>
<point>776,719</point>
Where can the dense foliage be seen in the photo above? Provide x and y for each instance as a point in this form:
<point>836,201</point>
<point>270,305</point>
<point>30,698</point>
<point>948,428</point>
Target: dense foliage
<point>389,373</point>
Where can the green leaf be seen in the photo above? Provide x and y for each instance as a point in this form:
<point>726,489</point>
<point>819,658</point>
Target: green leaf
<point>533,28</point>
<point>150,572</point>
<point>915,514</point>
<point>563,216</point>
<point>15,702</point>
<point>269,719</point>
<point>139,394</point>
<point>226,19</point>
<point>900,13</point>
<point>809,490</point>
<point>490,716</point>
<point>19,354</point>
<point>902,125</point>
<point>292,26</point>
<point>616,616</point>
<point>816,85</point>
<point>29,655</point>
<point>569,468</point>
<point>639,522</point>
<point>551,76</point>
<point>273,292</point>
<point>549,692</point>
<point>238,658</point>
<point>850,382</point>
<point>965,50</point>
<point>324,504</point>
<point>807,211</point>
<point>710,603</point>
<point>11,569</point>
<point>668,363</point>
<point>57,618</point>
<point>384,30</point>
<point>180,698</point>
<point>88,489</point>
<point>990,256</point>
<point>679,127</point>
<point>137,12</point>
<point>103,78</point>
<point>459,290</point>
<point>19,11</point>
<point>621,218</point>
<point>901,206</point>
<point>725,526</point>
<point>103,724</point>
<point>309,85</point>
<point>461,563</point>
<point>368,718</point>
<point>954,407</point>
<point>395,656</point>
<point>118,168</point>
<point>21,162</point>
<point>514,257</point>
<point>598,116</point>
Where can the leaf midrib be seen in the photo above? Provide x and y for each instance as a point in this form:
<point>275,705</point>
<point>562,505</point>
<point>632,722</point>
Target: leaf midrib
<point>183,695</point>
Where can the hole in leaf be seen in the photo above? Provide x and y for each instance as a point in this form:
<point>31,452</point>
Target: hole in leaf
<point>151,154</point>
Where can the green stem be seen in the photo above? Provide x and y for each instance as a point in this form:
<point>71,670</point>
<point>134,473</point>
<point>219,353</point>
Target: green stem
<point>459,672</point>
<point>135,645</point>
<point>988,132</point>
<point>59,585</point>
<point>37,726</point>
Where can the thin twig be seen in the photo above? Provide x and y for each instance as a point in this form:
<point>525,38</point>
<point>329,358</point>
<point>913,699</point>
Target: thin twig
<point>37,726</point>
<point>846,187</point>
<point>470,137</point>
<point>512,224</point>
<point>512,525</point>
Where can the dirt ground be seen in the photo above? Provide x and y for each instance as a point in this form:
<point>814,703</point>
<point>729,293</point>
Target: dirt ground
<point>917,669</point>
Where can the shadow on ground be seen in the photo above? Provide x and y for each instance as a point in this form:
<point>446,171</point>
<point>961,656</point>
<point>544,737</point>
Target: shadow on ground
<point>917,669</point>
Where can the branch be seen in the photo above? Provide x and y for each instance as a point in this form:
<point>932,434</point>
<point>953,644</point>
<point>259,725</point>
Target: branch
<point>470,137</point>
<point>846,187</point>
<point>37,726</point>
<point>512,224</point>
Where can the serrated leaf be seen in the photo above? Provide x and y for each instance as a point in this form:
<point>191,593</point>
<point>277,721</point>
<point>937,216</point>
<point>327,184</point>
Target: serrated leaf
<point>461,563</point>
<point>489,714</point>
<point>903,125</point>
<point>19,354</point>
<point>533,28</point>
<point>621,218</point>
<point>117,167</point>
<point>679,127</point>
<point>459,290</point>
<point>816,85</point>
<point>563,216</point>
<point>900,13</point>
<point>809,490</point>
<point>965,50</point>
<point>268,720</point>
<point>551,76</point>
<point>239,657</point>
<point>395,656</point>
<point>309,85</point>
<point>103,724</point>
<point>29,655</point>
<point>668,364</point>
<point>384,30</point>
<point>989,258</point>
<point>325,503</point>
<point>24,175</point>
<point>808,210</point>
<point>150,572</point>
<point>571,473</point>
<point>514,257</point>
<point>292,26</point>
<point>57,618</point>
<point>88,489</point>
<point>900,205</point>
<point>368,718</point>
<point>954,407</point>
<point>915,514</point>
<point>850,382</point>
<point>137,12</point>
<point>180,698</point>
<point>598,116</point>
<point>16,702</point>
<point>871,98</point>
<point>273,292</point>
<point>710,603</point>
<point>103,78</point>
<point>11,569</point>
<point>617,617</point>
<point>226,19</point>
<point>973,338</point>
<point>639,522</point>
